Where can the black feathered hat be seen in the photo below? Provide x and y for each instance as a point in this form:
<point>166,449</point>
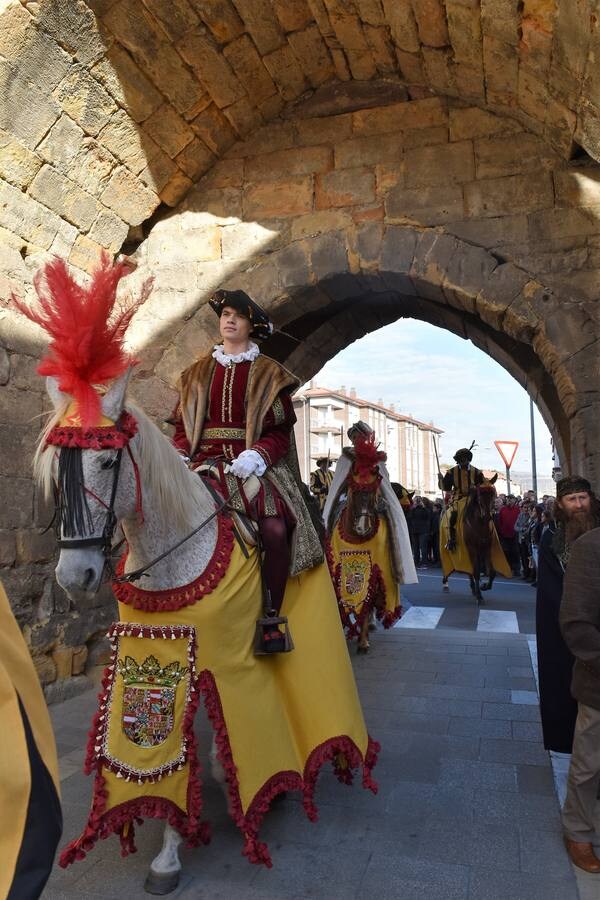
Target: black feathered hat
<point>464,453</point>
<point>262,326</point>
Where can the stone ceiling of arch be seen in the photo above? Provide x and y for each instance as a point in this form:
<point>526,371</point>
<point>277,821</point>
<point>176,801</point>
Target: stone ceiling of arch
<point>113,107</point>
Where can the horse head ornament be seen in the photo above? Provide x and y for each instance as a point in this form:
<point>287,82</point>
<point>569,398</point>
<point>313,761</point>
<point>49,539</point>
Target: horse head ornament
<point>364,504</point>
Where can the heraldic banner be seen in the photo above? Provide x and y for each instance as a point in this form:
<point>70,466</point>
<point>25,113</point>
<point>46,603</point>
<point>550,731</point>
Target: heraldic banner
<point>143,736</point>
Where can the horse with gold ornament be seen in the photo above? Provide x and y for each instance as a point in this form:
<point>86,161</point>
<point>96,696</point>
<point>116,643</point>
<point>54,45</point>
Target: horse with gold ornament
<point>370,553</point>
<point>189,596</point>
<point>469,542</point>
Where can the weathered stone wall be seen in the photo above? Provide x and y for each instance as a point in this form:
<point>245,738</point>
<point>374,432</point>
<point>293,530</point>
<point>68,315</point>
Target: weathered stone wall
<point>346,162</point>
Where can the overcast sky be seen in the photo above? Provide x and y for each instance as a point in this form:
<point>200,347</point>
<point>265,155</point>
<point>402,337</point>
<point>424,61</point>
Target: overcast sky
<point>433,375</point>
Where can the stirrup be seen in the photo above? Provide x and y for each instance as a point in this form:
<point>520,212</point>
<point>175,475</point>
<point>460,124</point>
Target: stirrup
<point>270,638</point>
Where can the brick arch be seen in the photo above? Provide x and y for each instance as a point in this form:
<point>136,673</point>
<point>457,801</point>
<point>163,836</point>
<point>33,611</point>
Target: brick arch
<point>412,273</point>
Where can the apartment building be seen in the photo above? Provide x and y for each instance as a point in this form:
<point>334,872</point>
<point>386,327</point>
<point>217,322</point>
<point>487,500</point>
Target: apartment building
<point>324,415</point>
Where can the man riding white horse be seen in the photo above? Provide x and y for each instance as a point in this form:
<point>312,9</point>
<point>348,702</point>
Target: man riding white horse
<point>235,418</point>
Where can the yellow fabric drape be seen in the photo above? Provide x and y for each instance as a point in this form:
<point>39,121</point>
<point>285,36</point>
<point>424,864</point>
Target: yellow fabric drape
<point>18,679</point>
<point>458,560</point>
<point>353,558</point>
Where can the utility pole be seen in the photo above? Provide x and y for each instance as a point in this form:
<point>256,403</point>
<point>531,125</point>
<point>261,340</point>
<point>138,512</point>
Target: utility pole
<point>533,458</point>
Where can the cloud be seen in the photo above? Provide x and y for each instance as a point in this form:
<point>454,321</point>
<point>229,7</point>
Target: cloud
<point>437,377</point>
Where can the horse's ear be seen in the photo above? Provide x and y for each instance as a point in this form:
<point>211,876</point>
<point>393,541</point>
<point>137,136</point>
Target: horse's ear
<point>493,479</point>
<point>113,400</point>
<point>54,392</point>
<point>411,494</point>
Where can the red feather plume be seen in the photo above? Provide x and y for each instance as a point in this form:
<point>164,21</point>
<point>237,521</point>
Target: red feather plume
<point>366,454</point>
<point>87,327</point>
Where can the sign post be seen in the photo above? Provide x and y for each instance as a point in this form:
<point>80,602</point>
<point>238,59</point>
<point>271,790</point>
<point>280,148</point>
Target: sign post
<point>507,450</point>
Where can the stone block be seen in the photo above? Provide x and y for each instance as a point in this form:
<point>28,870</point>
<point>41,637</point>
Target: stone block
<point>286,72</point>
<point>212,67</point>
<point>45,669</point>
<point>64,239</point>
<point>246,240</point>
<point>369,151</point>
<point>411,67</point>
<point>224,173</point>
<point>442,164</point>
<point>494,232</point>
<point>289,197</point>
<point>425,137</point>
<point>267,139</point>
<point>125,140</point>
<point>176,16</point>
<point>85,254</point>
<point>329,254</point>
<point>301,161</point>
<point>433,254</point>
<point>109,230</point>
<point>508,195</point>
<point>169,130</point>
<point>33,546</point>
<point>428,206</point>
<point>196,159</point>
<point>62,144</point>
<point>210,206</point>
<point>221,17</point>
<point>349,187</point>
<point>62,658</point>
<point>431,22</point>
<point>31,49</point>
<point>26,111</point>
<point>466,273</point>
<point>319,222</point>
<point>243,116</point>
<point>16,509</point>
<point>504,283</point>
<point>19,407</point>
<point>548,223</point>
<point>4,366</point>
<point>127,84</point>
<point>401,116</point>
<point>398,249</point>
<point>311,51</point>
<point>79,659</point>
<point>244,60</point>
<point>159,168</point>
<point>292,14</point>
<point>64,197</point>
<point>402,25</point>
<point>368,242</point>
<point>18,165</point>
<point>382,49</point>
<point>214,129</point>
<point>326,130</point>
<point>513,154</point>
<point>473,122</point>
<point>261,23</point>
<point>577,186</point>
<point>85,100</point>
<point>292,267</point>
<point>8,547</point>
<point>129,197</point>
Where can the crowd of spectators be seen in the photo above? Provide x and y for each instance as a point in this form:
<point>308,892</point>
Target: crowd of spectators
<point>520,522</point>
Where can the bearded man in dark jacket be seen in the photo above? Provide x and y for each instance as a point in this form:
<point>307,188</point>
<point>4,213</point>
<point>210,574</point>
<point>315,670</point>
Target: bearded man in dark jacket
<point>576,512</point>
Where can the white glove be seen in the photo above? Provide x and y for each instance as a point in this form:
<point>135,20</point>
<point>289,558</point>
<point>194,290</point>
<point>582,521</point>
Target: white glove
<point>249,462</point>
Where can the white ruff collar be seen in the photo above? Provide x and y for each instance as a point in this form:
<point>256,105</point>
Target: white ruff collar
<point>227,359</point>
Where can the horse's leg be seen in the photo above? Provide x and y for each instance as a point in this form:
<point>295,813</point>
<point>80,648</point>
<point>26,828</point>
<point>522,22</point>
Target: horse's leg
<point>445,585</point>
<point>218,773</point>
<point>163,876</point>
<point>363,638</point>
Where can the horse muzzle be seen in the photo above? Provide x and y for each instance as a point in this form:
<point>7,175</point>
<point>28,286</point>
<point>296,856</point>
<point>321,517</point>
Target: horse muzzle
<point>80,572</point>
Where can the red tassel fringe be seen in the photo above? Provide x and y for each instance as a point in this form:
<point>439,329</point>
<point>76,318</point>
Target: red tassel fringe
<point>104,437</point>
<point>341,751</point>
<point>187,594</point>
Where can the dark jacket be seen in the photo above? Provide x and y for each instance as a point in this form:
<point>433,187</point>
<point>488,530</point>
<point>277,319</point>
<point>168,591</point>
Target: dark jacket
<point>420,520</point>
<point>555,661</point>
<point>580,617</point>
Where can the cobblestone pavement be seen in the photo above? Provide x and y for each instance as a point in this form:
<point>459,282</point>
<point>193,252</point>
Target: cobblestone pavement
<point>466,805</point>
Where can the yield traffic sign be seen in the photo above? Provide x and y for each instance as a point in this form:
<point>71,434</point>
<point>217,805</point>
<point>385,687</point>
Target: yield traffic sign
<point>507,450</point>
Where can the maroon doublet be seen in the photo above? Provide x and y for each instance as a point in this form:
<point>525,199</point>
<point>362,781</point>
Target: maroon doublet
<point>224,438</point>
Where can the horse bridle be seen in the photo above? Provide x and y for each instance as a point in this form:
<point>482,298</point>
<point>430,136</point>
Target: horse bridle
<point>105,540</point>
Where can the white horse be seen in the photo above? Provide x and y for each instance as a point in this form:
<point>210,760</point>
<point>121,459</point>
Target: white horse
<point>308,711</point>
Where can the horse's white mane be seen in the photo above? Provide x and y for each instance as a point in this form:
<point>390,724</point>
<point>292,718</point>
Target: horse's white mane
<point>178,498</point>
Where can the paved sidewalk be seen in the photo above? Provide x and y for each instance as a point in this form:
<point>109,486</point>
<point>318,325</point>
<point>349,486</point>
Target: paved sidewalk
<point>466,808</point>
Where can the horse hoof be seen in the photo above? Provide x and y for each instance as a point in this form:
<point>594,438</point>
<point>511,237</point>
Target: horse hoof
<point>446,588</point>
<point>161,883</point>
<point>362,649</point>
<point>372,626</point>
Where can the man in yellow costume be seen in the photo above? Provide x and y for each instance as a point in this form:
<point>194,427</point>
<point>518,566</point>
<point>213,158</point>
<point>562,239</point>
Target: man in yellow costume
<point>457,482</point>
<point>320,480</point>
